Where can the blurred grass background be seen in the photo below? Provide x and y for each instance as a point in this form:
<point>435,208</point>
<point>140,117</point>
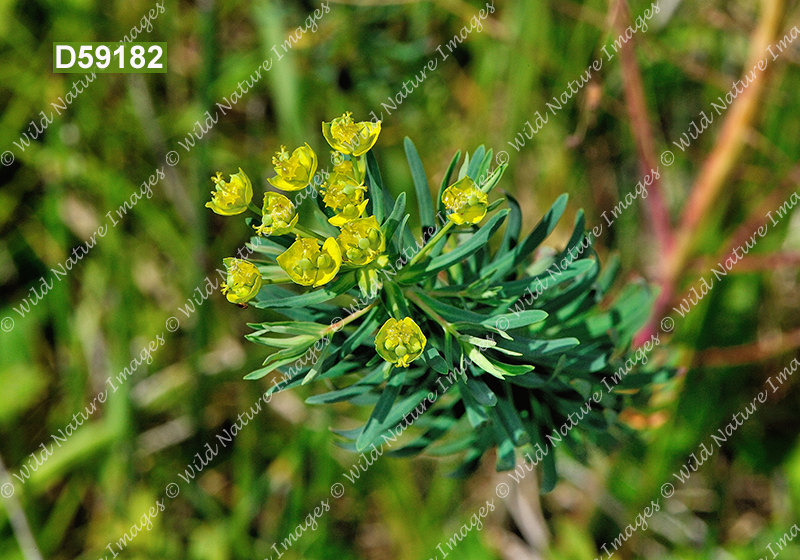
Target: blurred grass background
<point>95,155</point>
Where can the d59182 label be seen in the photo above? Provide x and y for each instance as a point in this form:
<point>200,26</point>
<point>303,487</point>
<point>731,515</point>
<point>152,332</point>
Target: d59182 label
<point>107,58</point>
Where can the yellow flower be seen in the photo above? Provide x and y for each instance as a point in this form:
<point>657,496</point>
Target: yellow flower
<point>278,216</point>
<point>465,202</point>
<point>308,265</point>
<point>350,137</point>
<point>295,171</point>
<point>400,342</point>
<point>343,195</point>
<point>231,198</point>
<point>361,241</point>
<point>243,281</point>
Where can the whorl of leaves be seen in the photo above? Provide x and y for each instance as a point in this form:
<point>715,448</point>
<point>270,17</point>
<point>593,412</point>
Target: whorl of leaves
<point>514,365</point>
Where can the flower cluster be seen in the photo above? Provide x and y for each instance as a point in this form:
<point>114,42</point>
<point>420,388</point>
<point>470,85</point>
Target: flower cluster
<point>314,259</point>
<point>393,304</point>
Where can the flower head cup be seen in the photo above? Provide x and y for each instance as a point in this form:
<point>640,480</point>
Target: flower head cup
<point>295,171</point>
<point>278,216</point>
<point>309,265</point>
<point>350,137</point>
<point>243,280</point>
<point>400,342</point>
<point>464,202</point>
<point>232,197</point>
<point>343,195</point>
<point>361,241</point>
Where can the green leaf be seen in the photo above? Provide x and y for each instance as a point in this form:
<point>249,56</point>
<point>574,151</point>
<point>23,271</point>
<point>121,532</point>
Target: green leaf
<point>368,325</point>
<point>376,187</point>
<point>478,240</point>
<point>317,295</point>
<point>494,178</point>
<point>510,420</point>
<point>500,266</point>
<point>516,320</point>
<point>373,427</point>
<point>394,219</point>
<point>446,182</point>
<point>513,226</point>
<point>484,168</point>
<point>365,385</point>
<point>420,184</point>
<point>480,391</point>
<point>475,163</point>
<point>317,367</point>
<point>434,360</point>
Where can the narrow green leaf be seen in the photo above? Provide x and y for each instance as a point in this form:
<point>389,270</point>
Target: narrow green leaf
<point>317,295</point>
<point>475,163</point>
<point>381,410</point>
<point>420,184</point>
<point>394,219</point>
<point>376,187</point>
<point>478,240</point>
<point>544,228</point>
<point>516,320</point>
<point>446,182</point>
<point>513,226</point>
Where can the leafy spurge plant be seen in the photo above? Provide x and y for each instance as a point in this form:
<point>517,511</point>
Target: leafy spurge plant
<point>452,324</point>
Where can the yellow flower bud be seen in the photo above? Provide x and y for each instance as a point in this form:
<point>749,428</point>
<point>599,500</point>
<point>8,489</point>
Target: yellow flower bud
<point>349,137</point>
<point>465,202</point>
<point>294,171</point>
<point>231,198</point>
<point>243,281</point>
<point>362,241</point>
<point>278,215</point>
<point>308,265</point>
<point>400,342</point>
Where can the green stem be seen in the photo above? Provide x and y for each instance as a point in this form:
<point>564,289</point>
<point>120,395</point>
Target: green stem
<point>356,170</point>
<point>311,233</point>
<point>448,327</point>
<point>431,242</point>
<point>254,208</point>
<point>349,319</point>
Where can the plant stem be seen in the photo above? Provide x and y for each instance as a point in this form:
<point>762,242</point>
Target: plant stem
<point>311,233</point>
<point>347,320</point>
<point>448,327</point>
<point>356,171</point>
<point>254,208</point>
<point>431,242</point>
